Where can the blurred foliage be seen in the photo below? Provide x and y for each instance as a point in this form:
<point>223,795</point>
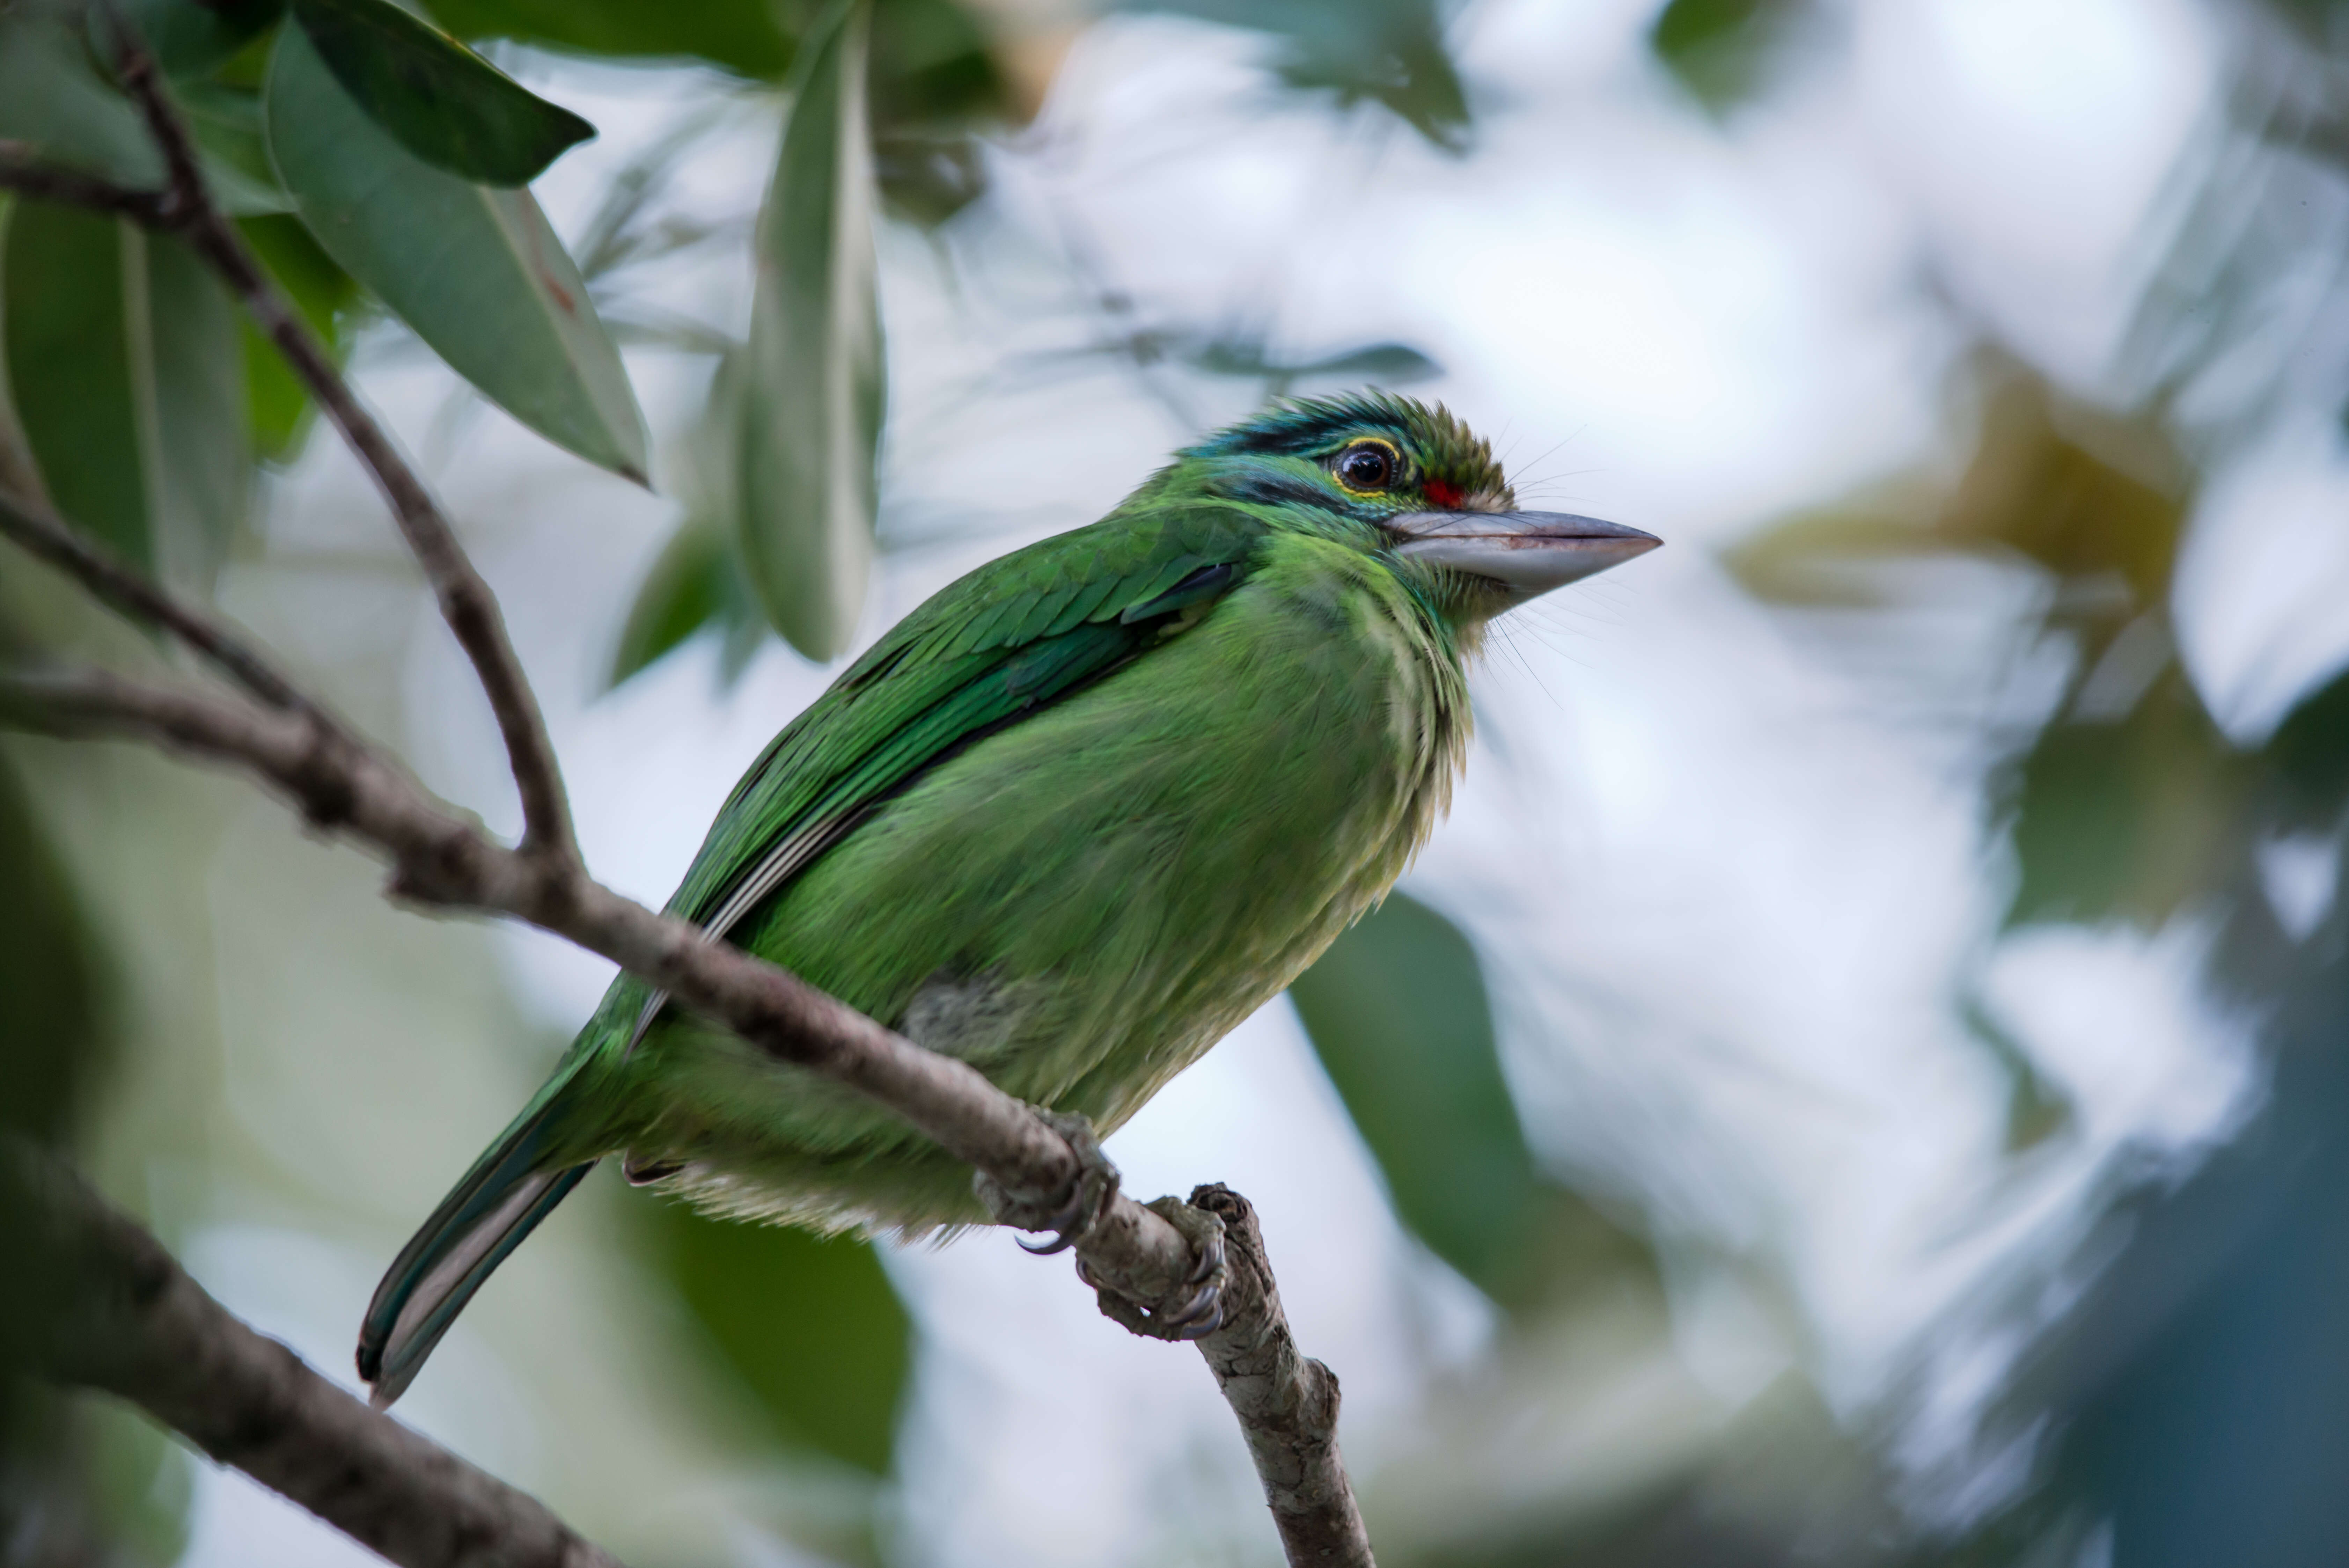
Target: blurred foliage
<point>802,469</point>
<point>121,357</point>
<point>324,293</point>
<point>1722,50</point>
<point>1399,1015</point>
<point>2200,1404</point>
<point>1390,52</point>
<point>474,269</point>
<point>439,99</point>
<point>75,1477</point>
<point>53,972</point>
<point>1397,1011</point>
<point>193,40</point>
<point>810,1325</point>
<point>746,37</point>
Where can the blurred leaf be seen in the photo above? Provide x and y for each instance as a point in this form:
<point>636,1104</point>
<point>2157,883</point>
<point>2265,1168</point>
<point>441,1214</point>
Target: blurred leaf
<point>52,98</point>
<point>194,37</point>
<point>203,445</point>
<point>1721,50</point>
<point>142,1483</point>
<point>2097,501</point>
<point>442,101</point>
<point>1385,364</point>
<point>227,123</point>
<point>1823,558</point>
<point>122,360</point>
<point>745,36</point>
<point>2308,758</point>
<point>811,382</point>
<point>476,272</point>
<point>2085,494</point>
<point>1387,51</point>
<point>933,81</point>
<point>278,404</point>
<point>810,1324</point>
<point>2132,818</point>
<point>2037,1109</point>
<point>60,1036</point>
<point>1397,1011</point>
<point>52,971</point>
<point>695,582</point>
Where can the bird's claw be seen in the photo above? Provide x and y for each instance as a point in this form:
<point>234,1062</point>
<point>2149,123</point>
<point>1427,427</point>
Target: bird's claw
<point>1071,1218</point>
<point>1194,1308</point>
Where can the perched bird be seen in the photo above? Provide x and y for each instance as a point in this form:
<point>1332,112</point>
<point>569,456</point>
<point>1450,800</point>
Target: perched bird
<point>1071,820</point>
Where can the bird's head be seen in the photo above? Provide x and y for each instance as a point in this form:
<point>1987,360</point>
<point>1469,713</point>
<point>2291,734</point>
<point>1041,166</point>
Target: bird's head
<point>1412,486</point>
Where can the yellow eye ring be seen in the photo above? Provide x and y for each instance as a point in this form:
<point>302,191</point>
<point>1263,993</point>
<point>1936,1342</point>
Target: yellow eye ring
<point>1367,466</point>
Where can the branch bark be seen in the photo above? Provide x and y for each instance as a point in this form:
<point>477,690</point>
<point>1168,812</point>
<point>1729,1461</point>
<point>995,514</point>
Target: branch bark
<point>1287,1405</point>
<point>184,207</point>
<point>126,1319</point>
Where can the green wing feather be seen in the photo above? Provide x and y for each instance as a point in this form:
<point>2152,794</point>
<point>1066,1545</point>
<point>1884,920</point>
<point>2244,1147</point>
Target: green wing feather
<point>986,651</point>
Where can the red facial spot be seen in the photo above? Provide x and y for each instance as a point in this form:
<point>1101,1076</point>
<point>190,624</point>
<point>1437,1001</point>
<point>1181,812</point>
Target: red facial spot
<point>1445,495</point>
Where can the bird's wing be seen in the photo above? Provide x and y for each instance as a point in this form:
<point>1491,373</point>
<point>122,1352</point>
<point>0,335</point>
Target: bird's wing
<point>983,653</point>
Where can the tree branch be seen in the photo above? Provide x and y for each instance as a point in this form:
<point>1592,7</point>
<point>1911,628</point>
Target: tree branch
<point>125,1318</point>
<point>1287,1405</point>
<point>43,533</point>
<point>23,172</point>
<point>185,208</point>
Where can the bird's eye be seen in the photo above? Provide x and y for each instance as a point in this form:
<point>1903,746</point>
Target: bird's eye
<point>1365,465</point>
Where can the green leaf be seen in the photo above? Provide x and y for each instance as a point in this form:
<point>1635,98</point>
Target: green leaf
<point>810,1325</point>
<point>228,125</point>
<point>1398,1013</point>
<point>279,404</point>
<point>52,98</point>
<point>694,583</point>
<point>811,392</point>
<point>745,36</point>
<point>476,272</point>
<point>52,970</point>
<point>124,363</point>
<point>442,102</point>
<point>194,38</point>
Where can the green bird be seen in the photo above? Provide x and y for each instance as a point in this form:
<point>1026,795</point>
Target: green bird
<point>1071,820</point>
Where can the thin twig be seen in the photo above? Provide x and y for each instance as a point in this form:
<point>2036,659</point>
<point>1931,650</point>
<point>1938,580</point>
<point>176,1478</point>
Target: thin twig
<point>120,1315</point>
<point>185,208</point>
<point>23,171</point>
<point>1287,1407</point>
<point>342,784</point>
<point>42,533</point>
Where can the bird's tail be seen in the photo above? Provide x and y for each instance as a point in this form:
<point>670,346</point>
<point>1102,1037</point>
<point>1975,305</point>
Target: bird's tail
<point>501,1201</point>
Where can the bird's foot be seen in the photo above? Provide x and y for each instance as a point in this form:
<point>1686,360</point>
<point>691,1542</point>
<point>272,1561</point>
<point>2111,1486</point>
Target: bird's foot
<point>1194,1308</point>
<point>1069,1216</point>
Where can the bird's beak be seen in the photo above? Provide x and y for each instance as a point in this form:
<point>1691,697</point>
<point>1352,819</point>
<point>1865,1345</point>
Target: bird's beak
<point>1524,553</point>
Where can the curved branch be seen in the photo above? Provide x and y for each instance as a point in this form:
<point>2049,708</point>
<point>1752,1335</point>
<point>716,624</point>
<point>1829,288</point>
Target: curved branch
<point>126,1318</point>
<point>185,208</point>
<point>1287,1405</point>
<point>41,533</point>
